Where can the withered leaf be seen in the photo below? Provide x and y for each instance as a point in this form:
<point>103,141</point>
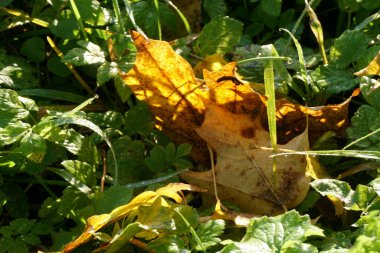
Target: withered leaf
<point>232,119</point>
<point>373,67</point>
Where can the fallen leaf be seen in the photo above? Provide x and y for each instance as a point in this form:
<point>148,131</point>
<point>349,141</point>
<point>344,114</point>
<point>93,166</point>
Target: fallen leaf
<point>166,82</point>
<point>373,67</point>
<point>244,170</point>
<point>227,114</point>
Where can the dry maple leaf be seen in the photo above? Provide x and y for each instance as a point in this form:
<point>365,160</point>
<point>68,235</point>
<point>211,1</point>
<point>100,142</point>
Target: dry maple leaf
<point>232,119</point>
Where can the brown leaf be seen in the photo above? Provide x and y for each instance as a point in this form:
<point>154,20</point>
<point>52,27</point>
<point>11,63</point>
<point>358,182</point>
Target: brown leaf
<point>227,114</point>
<point>244,170</point>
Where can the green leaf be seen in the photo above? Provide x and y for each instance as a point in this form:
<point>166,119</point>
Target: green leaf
<point>156,161</point>
<point>11,108</point>
<point>365,121</point>
<point>123,237</point>
<point>271,7</point>
<point>370,89</point>
<point>6,243</point>
<point>122,90</point>
<point>34,49</point>
<point>13,132</point>
<point>57,67</point>
<point>32,146</point>
<point>130,157</point>
<point>348,48</point>
<point>169,244</point>
<point>22,225</point>
<point>220,35</point>
<point>369,240</point>
<point>65,26</point>
<point>82,171</point>
<point>17,73</point>
<point>209,233</point>
<point>18,246</point>
<point>139,120</point>
<point>331,80</point>
<point>146,17</point>
<point>215,7</point>
<point>339,189</point>
<point>106,72</point>
<point>88,152</point>
<point>30,239</point>
<point>105,202</point>
<point>349,5</point>
<point>271,234</point>
<point>92,13</point>
<point>191,216</point>
<point>90,53</point>
<point>106,119</point>
<point>183,149</point>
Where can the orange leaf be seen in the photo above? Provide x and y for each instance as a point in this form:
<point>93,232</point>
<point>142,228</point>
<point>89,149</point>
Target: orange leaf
<point>373,67</point>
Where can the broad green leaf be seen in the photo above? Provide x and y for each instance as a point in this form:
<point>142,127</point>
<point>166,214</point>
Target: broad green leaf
<point>32,146</point>
<point>89,153</point>
<point>215,7</point>
<point>22,225</point>
<point>370,89</point>
<point>191,216</point>
<point>369,240</point>
<point>298,247</point>
<point>183,150</point>
<point>13,132</point>
<point>156,162</point>
<point>105,202</point>
<point>348,48</point>
<point>18,246</point>
<point>67,176</point>
<point>365,121</point>
<point>17,73</point>
<point>6,243</point>
<point>92,12</point>
<point>209,233</point>
<point>65,26</point>
<point>123,237</point>
<point>71,201</point>
<point>11,108</point>
<point>339,189</point>
<point>330,80</point>
<point>271,234</point>
<point>57,67</point>
<point>146,17</point>
<point>271,7</point>
<point>122,90</point>
<point>220,35</point>
<point>34,49</point>
<point>30,239</point>
<point>169,244</point>
<point>82,171</point>
<point>130,157</point>
<point>90,53</point>
<point>139,120</point>
<point>106,119</point>
<point>106,72</point>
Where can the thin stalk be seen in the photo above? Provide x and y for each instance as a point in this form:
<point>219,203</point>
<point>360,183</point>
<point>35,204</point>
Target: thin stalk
<point>192,231</point>
<point>156,5</point>
<point>79,19</point>
<point>271,103</point>
<point>45,186</point>
<point>70,67</point>
<point>116,9</point>
<point>281,58</point>
<point>25,16</point>
<point>180,14</point>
